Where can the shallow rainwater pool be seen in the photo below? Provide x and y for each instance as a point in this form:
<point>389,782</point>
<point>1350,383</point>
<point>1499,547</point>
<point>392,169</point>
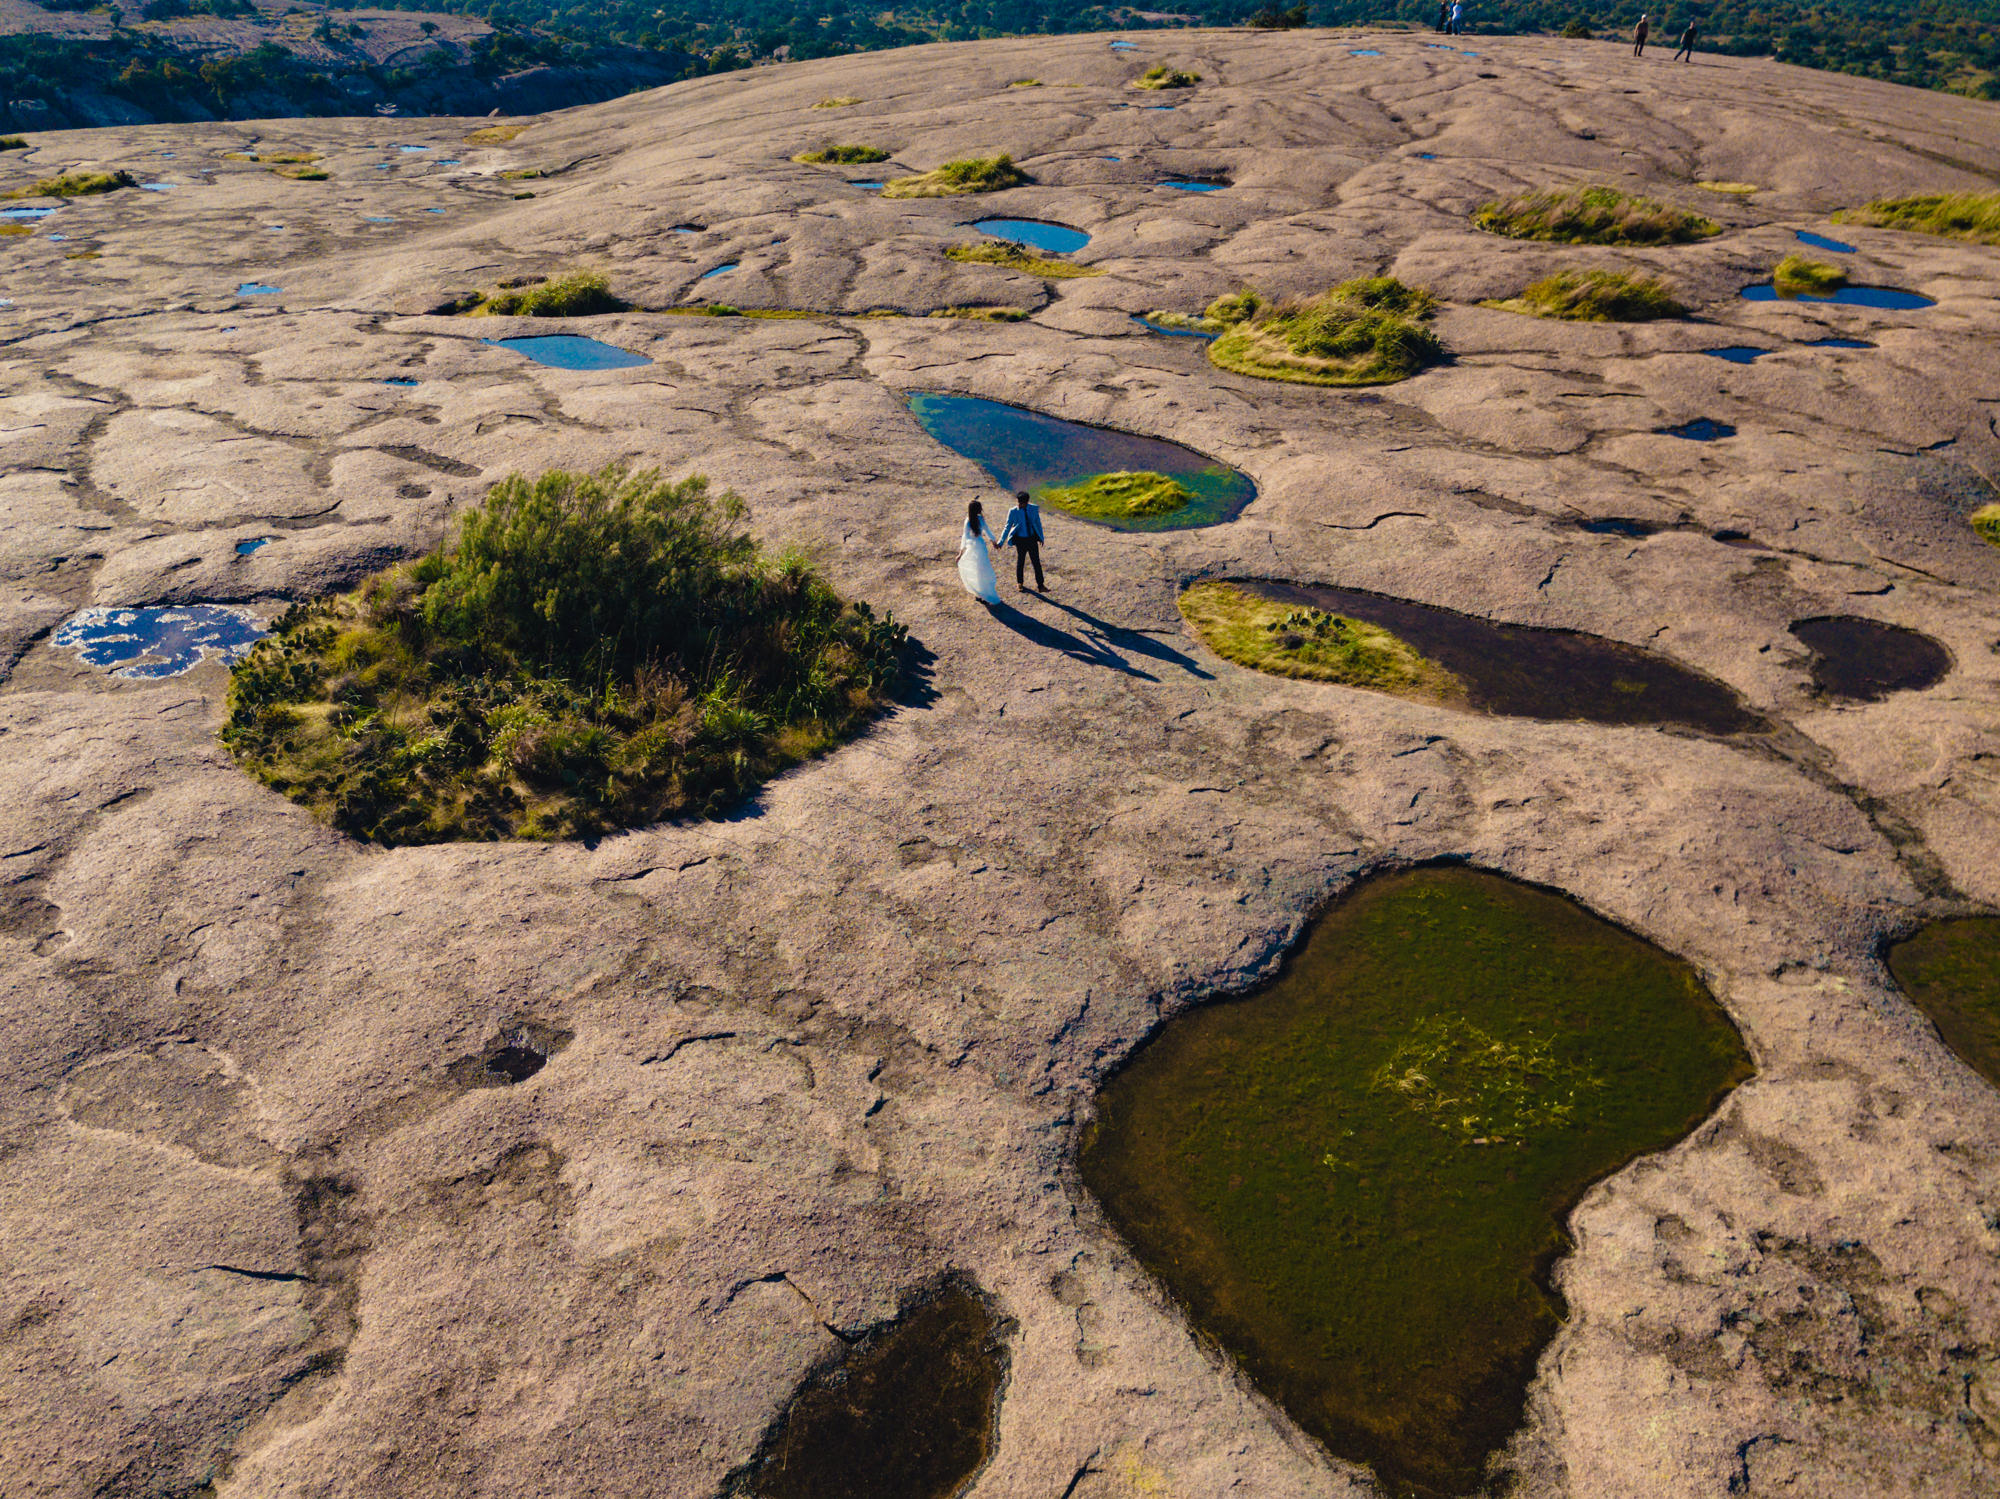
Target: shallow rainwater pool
<point>1027,450</point>
<point>1737,353</point>
<point>1523,672</point>
<point>1864,660</point>
<point>245,548</point>
<point>26,211</point>
<point>1951,971</point>
<point>720,270</point>
<point>1355,1179</point>
<point>147,644</point>
<point>1840,343</point>
<point>257,289</point>
<point>571,351</point>
<point>1152,327</point>
<point>1886,298</point>
<point>1821,242</point>
<point>1197,187</point>
<point>1701,429</point>
<point>1057,239</point>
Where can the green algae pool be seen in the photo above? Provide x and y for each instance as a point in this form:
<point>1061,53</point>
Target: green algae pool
<point>1355,1179</point>
<point>1951,971</point>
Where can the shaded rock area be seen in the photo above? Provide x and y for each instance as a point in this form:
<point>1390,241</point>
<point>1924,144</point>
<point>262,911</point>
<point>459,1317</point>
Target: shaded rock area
<point>837,1048</point>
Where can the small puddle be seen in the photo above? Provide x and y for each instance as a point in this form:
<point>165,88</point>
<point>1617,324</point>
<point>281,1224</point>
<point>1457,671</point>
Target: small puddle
<point>1618,525</point>
<point>448,161</point>
<point>1427,156</point>
<point>148,644</point>
<point>376,219</point>
<point>1864,660</point>
<point>1739,539</point>
<point>1519,671</point>
<point>1028,450</point>
<point>1124,46</point>
<point>1821,242</point>
<point>1840,343</point>
<point>719,270</point>
<point>413,148</point>
<point>873,187</point>
<point>907,1412</point>
<point>1737,353</point>
<point>257,289</point>
<point>245,548</point>
<point>1057,239</point>
<point>1147,323</point>
<point>156,187</point>
<point>571,351</point>
<point>402,380</point>
<point>26,211</point>
<point>1701,429</point>
<point>1363,52</point>
<point>1356,1179</point>
<point>1197,187</point>
<point>1951,971</point>
<point>1889,298</point>
<point>519,1051</point>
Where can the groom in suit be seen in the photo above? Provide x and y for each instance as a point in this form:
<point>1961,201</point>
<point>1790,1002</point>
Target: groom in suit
<point>1024,532</point>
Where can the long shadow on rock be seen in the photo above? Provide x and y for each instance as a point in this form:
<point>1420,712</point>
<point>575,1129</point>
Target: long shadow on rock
<point>1090,652</point>
<point>907,1412</point>
<point>1112,638</point>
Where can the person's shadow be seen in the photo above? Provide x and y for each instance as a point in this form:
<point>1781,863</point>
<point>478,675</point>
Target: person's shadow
<point>1098,643</point>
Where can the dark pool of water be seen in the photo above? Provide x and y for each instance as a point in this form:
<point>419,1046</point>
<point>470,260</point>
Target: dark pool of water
<point>719,270</point>
<point>1197,187</point>
<point>1151,326</point>
<point>1891,298</point>
<point>908,1412</point>
<point>257,289</point>
<point>1951,971</point>
<point>1864,660</point>
<point>1840,343</point>
<point>1028,450</point>
<point>1737,353</point>
<point>1617,525</point>
<point>520,1050</point>
<point>1427,156</point>
<point>1735,539</point>
<point>399,380</point>
<point>1523,672</point>
<point>245,548</point>
<point>155,642</point>
<point>1701,429</point>
<point>1821,242</point>
<point>1356,1178</point>
<point>516,1064</point>
<point>570,351</point>
<point>1057,239</point>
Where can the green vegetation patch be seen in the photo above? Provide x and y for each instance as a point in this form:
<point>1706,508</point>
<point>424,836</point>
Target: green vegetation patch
<point>75,185</point>
<point>587,652</point>
<point>494,135</point>
<point>1951,971</point>
<point>1971,216</point>
<point>1596,297</point>
<point>1593,216</point>
<point>1368,331</point>
<point>981,314</point>
<point>1026,83</point>
<point>1311,644</point>
<point>1356,1179</point>
<point>1798,277</point>
<point>839,101</point>
<point>524,174</point>
<point>978,174</point>
<point>1014,258</point>
<point>302,174</point>
<point>1986,522</point>
<point>1731,189</point>
<point>13,143</point>
<point>581,294</point>
<point>854,156</point>
<point>1162,76</point>
<point>14,231</point>
<point>1122,496</point>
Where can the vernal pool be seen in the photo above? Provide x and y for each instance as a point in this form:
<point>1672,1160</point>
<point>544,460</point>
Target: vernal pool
<point>147,644</point>
<point>1057,239</point>
<point>570,351</point>
<point>1888,298</point>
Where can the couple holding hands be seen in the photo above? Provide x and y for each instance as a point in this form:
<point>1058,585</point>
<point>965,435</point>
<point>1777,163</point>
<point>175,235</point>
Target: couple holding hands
<point>1023,532</point>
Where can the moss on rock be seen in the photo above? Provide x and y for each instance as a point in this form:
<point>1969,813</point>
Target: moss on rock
<point>1120,496</point>
<point>1289,641</point>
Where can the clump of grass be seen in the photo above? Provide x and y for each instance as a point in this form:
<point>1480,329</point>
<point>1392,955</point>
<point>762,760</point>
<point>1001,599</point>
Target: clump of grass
<point>13,143</point>
<point>1986,522</point>
<point>289,158</point>
<point>75,185</point>
<point>1026,83</point>
<point>839,101</point>
<point>1480,1089</point>
<point>977,174</point>
<point>1593,216</point>
<point>239,156</point>
<point>524,174</point>
<point>580,294</point>
<point>1162,76</point>
<point>980,314</point>
<point>494,135</point>
<point>1734,189</point>
<point>852,156</point>
<point>1969,216</point>
<point>1312,644</point>
<point>589,651</point>
<point>1368,331</point>
<point>11,231</point>
<point>1012,257</point>
<point>1120,496</point>
<point>1596,297</point>
<point>1798,277</point>
<point>302,174</point>
<point>80,255</point>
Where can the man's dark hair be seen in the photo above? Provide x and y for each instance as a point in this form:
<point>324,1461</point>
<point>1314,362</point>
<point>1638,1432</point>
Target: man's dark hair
<point>1021,495</point>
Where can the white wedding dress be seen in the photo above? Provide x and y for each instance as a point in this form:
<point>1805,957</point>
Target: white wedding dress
<point>975,566</point>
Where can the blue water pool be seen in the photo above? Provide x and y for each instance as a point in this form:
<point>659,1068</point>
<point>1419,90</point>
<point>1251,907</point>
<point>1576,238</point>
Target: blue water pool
<point>413,148</point>
<point>26,211</point>
<point>1737,354</point>
<point>571,351</point>
<point>1057,239</point>
<point>383,166</point>
<point>1891,298</point>
<point>1363,52</point>
<point>1701,429</point>
<point>1027,450</point>
<point>399,380</point>
<point>719,270</point>
<point>433,210</point>
<point>156,187</point>
<point>873,187</point>
<point>1153,327</point>
<point>245,548</point>
<point>376,219</point>
<point>1197,187</point>
<point>1840,343</point>
<point>255,289</point>
<point>1124,46</point>
<point>448,161</point>
<point>1820,241</point>
<point>1427,156</point>
<point>1111,158</point>
<point>151,643</point>
<point>1159,106</point>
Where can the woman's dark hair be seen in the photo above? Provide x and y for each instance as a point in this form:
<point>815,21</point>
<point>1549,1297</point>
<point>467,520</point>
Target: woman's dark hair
<point>973,512</point>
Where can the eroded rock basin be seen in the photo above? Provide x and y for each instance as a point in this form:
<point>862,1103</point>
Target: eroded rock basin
<point>1355,1179</point>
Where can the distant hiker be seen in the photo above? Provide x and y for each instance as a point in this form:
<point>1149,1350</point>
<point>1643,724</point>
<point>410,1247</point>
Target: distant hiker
<point>1444,15</point>
<point>1639,37</point>
<point>975,568</point>
<point>1457,17</point>
<point>1686,54</point>
<point>1023,532</point>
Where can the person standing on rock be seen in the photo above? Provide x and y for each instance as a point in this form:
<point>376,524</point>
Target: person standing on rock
<point>1639,35</point>
<point>1444,15</point>
<point>1686,54</point>
<point>1457,18</point>
<point>975,567</point>
<point>1023,532</point>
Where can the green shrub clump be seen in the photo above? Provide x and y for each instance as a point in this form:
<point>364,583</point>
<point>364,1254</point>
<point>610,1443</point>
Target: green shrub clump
<point>589,651</point>
<point>1012,257</point>
<point>1798,277</point>
<point>850,156</point>
<point>1287,641</point>
<point>75,185</point>
<point>978,174</point>
<point>13,143</point>
<point>582,294</point>
<point>1596,297</point>
<point>1368,331</point>
<point>1986,523</point>
<point>1593,216</point>
<point>1162,76</point>
<point>1973,216</point>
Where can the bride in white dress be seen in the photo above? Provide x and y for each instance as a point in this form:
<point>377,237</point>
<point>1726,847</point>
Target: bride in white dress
<point>975,566</point>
